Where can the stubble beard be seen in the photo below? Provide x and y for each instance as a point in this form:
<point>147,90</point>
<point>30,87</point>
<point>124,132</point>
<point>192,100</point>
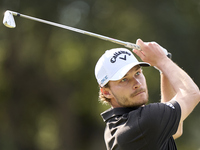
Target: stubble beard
<point>130,102</point>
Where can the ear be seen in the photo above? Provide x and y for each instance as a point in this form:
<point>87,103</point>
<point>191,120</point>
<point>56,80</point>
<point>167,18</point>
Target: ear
<point>106,92</point>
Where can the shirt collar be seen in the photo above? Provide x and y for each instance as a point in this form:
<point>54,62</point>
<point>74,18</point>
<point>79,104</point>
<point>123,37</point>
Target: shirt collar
<point>112,112</point>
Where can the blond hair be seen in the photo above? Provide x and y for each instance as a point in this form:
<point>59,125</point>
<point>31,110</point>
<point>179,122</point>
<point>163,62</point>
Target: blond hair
<point>102,98</point>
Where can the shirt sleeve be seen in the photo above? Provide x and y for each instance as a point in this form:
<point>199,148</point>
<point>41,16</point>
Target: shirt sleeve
<point>160,120</point>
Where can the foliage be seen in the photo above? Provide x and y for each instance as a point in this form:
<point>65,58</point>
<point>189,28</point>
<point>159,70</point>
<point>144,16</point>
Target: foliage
<point>48,92</point>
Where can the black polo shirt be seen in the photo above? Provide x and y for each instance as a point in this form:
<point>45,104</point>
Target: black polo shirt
<point>143,128</point>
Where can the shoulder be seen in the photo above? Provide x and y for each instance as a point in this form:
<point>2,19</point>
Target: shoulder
<point>157,108</point>
<point>158,115</point>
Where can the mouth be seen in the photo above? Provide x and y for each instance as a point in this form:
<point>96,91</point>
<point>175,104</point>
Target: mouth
<point>137,93</point>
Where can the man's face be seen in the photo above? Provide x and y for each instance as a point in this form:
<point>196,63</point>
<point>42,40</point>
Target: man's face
<point>131,90</point>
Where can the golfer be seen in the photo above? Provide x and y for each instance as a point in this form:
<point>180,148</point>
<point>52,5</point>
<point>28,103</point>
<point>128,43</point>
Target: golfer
<point>131,123</point>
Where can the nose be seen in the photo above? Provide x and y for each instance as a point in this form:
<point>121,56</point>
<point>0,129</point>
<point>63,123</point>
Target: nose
<point>136,84</point>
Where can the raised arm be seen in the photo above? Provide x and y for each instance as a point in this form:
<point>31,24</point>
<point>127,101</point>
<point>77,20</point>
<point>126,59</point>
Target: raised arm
<point>186,91</point>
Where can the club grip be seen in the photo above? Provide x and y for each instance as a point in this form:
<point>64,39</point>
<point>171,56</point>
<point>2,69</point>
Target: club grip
<point>132,46</point>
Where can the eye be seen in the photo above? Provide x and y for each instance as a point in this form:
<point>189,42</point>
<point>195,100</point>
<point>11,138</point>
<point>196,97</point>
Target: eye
<point>124,80</point>
<point>138,73</point>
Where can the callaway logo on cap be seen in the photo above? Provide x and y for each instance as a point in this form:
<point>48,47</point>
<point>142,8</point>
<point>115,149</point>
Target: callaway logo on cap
<point>114,64</point>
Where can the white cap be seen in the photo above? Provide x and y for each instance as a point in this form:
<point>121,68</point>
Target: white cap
<point>114,64</point>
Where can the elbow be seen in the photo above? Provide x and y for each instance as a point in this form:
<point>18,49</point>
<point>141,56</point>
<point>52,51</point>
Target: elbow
<point>199,95</point>
<point>196,95</point>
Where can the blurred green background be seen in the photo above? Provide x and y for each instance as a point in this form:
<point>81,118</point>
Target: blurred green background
<point>48,91</point>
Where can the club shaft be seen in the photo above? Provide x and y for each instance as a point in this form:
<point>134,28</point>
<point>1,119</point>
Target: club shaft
<point>126,44</point>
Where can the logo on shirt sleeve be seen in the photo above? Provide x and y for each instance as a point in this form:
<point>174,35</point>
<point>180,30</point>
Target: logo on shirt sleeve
<point>170,105</point>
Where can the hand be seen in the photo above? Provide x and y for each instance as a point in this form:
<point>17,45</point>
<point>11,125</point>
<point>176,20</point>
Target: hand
<point>151,52</point>
<point>169,55</point>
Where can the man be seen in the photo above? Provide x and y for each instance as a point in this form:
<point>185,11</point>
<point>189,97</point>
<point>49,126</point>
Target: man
<point>130,123</point>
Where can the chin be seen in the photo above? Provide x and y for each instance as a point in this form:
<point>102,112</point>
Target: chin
<point>144,102</point>
<point>136,104</point>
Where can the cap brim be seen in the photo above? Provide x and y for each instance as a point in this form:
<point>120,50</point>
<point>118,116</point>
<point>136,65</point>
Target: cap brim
<point>123,71</point>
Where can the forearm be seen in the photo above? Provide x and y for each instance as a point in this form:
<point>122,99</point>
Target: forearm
<point>167,91</point>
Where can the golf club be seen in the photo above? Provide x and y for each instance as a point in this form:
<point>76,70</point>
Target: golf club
<point>9,22</point>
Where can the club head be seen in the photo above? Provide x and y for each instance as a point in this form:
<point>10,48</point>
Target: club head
<point>8,19</point>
